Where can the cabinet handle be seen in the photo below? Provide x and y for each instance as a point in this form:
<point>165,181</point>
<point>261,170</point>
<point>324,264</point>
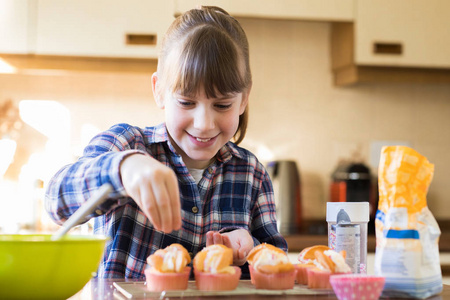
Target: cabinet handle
<point>141,39</point>
<point>388,48</point>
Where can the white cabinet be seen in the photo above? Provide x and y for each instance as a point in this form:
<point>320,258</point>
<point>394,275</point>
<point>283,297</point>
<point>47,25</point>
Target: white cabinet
<point>393,41</point>
<point>100,28</point>
<point>16,26</point>
<point>106,28</point>
<point>411,33</point>
<point>314,10</point>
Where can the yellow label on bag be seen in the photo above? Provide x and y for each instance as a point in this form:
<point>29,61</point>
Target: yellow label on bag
<point>403,178</point>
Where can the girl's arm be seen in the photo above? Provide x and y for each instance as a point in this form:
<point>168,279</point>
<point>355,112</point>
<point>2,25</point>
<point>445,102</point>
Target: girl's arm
<point>71,186</point>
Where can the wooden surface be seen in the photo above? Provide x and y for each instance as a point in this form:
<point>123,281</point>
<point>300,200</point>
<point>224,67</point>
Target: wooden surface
<point>244,289</point>
<point>104,289</point>
<point>44,64</point>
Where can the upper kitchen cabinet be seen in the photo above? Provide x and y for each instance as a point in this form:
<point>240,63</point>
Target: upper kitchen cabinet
<point>413,33</point>
<point>393,40</point>
<point>102,28</point>
<point>16,26</point>
<point>313,10</point>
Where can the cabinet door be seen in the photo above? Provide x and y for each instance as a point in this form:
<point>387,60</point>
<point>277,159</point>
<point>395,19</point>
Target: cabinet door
<point>408,33</point>
<point>15,26</point>
<point>106,28</point>
<point>315,10</point>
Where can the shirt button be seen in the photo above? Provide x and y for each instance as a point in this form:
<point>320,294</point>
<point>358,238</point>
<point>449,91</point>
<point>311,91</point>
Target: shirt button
<point>195,209</point>
<point>210,170</point>
<point>98,212</point>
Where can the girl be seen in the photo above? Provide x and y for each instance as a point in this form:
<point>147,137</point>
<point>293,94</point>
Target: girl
<point>181,181</point>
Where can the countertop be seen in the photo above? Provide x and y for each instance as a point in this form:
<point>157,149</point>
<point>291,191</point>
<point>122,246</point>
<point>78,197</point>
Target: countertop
<point>104,289</point>
<point>301,241</point>
<point>296,243</point>
<point>314,232</point>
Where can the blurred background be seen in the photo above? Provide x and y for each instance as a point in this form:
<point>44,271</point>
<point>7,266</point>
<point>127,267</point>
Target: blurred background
<point>332,84</point>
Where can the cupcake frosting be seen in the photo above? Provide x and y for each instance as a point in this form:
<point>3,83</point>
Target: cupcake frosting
<point>307,255</point>
<point>173,258</point>
<point>333,261</point>
<point>215,259</point>
<point>269,259</point>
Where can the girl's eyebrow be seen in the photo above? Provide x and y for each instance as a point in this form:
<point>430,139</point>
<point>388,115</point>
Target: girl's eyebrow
<point>226,97</point>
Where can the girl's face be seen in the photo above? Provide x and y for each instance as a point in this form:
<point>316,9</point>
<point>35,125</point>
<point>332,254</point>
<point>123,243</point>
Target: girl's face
<point>199,126</point>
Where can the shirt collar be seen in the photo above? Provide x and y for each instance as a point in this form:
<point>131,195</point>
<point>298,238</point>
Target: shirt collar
<point>159,135</point>
<point>228,151</point>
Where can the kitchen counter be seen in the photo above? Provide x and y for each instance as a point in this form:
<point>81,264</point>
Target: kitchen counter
<point>301,241</point>
<point>297,243</point>
<point>104,289</point>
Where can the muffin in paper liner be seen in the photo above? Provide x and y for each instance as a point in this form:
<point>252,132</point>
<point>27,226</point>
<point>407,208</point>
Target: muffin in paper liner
<point>273,281</point>
<point>270,268</point>
<point>302,273</point>
<point>217,282</point>
<point>357,286</point>
<point>158,282</point>
<point>213,270</point>
<point>167,269</point>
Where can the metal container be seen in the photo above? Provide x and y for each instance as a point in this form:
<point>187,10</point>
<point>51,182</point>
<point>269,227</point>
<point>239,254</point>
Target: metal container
<point>347,230</point>
<point>287,189</point>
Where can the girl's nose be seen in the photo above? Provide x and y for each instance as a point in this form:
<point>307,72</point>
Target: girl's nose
<point>204,119</point>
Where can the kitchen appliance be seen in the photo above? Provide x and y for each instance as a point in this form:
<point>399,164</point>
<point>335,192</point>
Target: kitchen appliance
<point>285,178</point>
<point>351,182</point>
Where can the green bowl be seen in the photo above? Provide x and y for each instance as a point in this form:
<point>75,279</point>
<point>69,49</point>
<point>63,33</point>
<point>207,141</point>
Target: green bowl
<point>35,267</point>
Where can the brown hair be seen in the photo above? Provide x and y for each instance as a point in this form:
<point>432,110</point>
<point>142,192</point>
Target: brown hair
<point>213,55</point>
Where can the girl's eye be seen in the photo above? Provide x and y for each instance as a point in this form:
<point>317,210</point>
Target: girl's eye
<point>223,106</point>
<point>185,103</point>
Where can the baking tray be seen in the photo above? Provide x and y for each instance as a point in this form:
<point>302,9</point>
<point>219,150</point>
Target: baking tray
<point>138,290</point>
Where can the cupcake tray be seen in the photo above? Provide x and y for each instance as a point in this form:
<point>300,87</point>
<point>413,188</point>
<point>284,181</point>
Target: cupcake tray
<point>138,290</point>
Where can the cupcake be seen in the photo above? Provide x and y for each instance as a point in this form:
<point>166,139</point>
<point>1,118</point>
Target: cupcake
<point>167,269</point>
<point>307,259</point>
<point>328,262</point>
<point>270,268</point>
<point>213,270</point>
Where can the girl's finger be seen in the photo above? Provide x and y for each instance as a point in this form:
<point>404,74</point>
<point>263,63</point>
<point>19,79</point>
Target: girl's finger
<point>217,238</point>
<point>209,238</point>
<point>227,241</point>
<point>174,200</point>
<point>242,253</point>
<point>164,206</point>
<point>150,207</point>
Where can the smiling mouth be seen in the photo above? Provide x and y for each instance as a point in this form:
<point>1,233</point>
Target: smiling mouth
<point>202,140</point>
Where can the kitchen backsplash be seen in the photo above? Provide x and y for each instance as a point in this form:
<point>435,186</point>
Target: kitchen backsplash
<point>295,111</point>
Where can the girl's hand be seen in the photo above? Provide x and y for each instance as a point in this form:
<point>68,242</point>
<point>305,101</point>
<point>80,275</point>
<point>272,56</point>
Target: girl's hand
<point>154,188</point>
<point>239,240</point>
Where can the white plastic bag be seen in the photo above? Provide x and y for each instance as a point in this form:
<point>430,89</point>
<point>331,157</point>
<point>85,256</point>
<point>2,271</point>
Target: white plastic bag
<point>407,234</point>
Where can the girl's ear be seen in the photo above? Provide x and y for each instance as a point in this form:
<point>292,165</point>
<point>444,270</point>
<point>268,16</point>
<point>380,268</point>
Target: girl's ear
<point>156,88</point>
<point>244,101</point>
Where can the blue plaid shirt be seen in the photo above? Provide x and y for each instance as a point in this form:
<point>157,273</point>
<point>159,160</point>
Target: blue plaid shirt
<point>235,192</point>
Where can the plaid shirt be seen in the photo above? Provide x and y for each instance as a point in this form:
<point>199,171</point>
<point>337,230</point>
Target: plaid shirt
<point>235,192</point>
